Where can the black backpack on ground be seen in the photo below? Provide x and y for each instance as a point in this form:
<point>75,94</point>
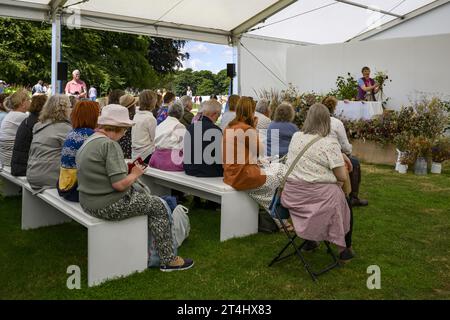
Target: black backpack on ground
<point>265,222</point>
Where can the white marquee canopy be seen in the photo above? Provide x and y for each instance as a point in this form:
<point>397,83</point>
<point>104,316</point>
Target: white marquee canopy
<point>286,22</point>
<point>221,21</point>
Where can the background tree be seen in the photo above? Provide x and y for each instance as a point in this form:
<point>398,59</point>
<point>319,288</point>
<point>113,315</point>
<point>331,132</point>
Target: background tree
<point>166,55</point>
<point>106,59</point>
<point>25,51</point>
<point>202,83</point>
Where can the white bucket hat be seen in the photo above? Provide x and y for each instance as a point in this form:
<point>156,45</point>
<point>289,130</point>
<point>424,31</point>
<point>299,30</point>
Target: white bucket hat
<point>115,115</point>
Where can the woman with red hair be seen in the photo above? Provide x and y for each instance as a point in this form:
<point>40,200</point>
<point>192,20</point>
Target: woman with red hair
<point>84,120</point>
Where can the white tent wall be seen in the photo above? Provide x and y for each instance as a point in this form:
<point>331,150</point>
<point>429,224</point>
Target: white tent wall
<point>254,75</point>
<point>433,22</point>
<point>415,65</point>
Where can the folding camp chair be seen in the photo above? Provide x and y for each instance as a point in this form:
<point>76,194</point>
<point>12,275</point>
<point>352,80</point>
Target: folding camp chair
<point>298,251</point>
<point>277,211</point>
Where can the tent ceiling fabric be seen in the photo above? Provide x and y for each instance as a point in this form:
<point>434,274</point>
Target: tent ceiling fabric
<point>312,21</point>
<point>222,15</point>
<point>335,22</point>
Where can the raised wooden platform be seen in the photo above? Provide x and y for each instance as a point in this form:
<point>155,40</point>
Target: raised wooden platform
<point>372,152</point>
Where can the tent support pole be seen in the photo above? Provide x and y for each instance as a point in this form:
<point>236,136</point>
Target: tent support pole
<point>56,52</point>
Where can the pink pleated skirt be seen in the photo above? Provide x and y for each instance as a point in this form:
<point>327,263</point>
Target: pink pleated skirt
<point>319,211</point>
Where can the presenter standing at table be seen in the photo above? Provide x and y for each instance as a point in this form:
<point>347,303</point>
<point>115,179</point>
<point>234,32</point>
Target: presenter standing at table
<point>76,87</point>
<point>367,87</point>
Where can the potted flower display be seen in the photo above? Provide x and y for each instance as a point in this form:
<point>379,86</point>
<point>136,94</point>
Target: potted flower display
<point>420,148</point>
<point>440,152</point>
<point>402,143</point>
<point>404,159</point>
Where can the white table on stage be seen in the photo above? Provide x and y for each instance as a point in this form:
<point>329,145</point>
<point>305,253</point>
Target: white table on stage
<point>355,110</point>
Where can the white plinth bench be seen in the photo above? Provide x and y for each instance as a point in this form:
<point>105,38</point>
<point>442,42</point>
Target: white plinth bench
<point>9,184</point>
<point>239,213</point>
<point>115,248</point>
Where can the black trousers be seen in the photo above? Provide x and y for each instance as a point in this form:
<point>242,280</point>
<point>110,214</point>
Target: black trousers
<point>355,177</point>
<point>348,236</point>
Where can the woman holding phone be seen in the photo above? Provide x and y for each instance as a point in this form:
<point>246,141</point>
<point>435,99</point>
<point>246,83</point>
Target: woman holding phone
<point>107,191</point>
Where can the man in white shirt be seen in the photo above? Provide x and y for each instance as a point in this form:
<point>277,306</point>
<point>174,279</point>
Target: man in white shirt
<point>338,132</point>
<point>38,88</point>
<point>92,93</point>
<point>189,92</point>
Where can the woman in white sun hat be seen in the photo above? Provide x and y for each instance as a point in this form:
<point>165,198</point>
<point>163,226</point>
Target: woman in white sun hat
<point>107,191</point>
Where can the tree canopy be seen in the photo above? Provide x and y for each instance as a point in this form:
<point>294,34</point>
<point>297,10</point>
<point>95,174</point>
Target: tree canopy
<point>202,83</point>
<point>108,60</point>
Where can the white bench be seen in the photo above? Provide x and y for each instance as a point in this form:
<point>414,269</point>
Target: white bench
<point>10,185</point>
<point>115,248</point>
<point>239,213</point>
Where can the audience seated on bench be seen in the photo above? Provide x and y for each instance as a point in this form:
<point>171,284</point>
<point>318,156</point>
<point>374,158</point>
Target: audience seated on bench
<point>107,191</point>
<point>143,132</point>
<point>84,120</point>
<point>20,102</point>
<point>205,126</point>
<point>48,138</point>
<point>24,136</point>
<point>168,154</point>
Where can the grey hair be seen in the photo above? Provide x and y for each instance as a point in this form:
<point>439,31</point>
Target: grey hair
<point>176,110</point>
<point>262,106</point>
<point>76,71</point>
<point>284,113</point>
<point>184,100</point>
<point>56,109</point>
<point>211,106</point>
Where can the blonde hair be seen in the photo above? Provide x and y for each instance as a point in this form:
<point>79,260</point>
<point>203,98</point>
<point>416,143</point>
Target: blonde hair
<point>317,120</point>
<point>330,102</point>
<point>147,100</point>
<point>7,103</point>
<point>56,109</point>
<point>245,112</point>
<point>18,98</point>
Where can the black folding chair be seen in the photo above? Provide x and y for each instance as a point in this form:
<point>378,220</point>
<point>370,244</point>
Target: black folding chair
<point>292,236</point>
<point>277,211</point>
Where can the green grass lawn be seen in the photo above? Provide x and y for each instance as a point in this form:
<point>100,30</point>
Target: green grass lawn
<point>405,230</point>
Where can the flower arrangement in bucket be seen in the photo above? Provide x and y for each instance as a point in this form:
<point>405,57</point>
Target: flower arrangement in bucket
<point>419,150</point>
<point>440,152</point>
<point>402,144</point>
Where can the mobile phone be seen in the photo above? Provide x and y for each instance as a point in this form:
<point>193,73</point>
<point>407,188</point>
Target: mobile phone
<point>139,161</point>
